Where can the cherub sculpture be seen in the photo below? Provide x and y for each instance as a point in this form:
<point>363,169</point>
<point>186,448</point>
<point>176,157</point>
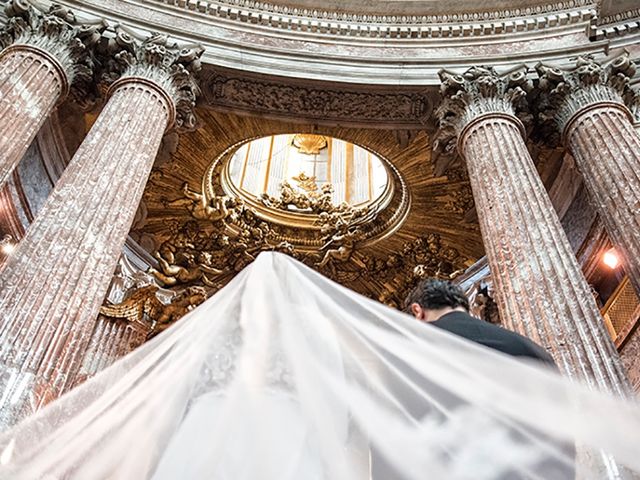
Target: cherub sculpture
<point>144,302</point>
<point>214,209</point>
<point>179,306</point>
<point>194,268</point>
<point>343,243</point>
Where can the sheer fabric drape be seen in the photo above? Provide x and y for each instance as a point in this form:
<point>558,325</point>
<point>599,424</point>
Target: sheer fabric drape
<point>286,375</point>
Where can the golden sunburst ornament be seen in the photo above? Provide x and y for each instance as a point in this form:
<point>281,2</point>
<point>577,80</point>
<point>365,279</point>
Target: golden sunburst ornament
<point>309,144</point>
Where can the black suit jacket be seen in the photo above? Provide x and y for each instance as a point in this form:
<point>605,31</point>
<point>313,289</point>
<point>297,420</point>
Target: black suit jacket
<point>492,336</point>
<point>511,343</point>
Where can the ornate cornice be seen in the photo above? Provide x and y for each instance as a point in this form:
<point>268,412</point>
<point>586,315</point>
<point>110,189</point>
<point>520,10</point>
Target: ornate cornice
<point>323,104</point>
<point>251,38</point>
<point>478,92</point>
<point>615,18</point>
<point>563,93</point>
<point>363,25</point>
<point>170,66</point>
<point>56,32</point>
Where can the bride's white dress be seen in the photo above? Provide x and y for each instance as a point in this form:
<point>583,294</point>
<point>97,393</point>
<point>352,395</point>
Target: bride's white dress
<point>291,443</point>
<point>286,375</point>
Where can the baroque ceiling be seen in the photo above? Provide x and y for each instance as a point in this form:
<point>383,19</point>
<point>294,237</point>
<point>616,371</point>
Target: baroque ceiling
<point>365,73</point>
<point>422,231</point>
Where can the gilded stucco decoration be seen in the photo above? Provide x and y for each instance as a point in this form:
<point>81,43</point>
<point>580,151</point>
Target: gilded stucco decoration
<point>359,247</point>
<point>461,200</point>
<point>211,259</point>
<point>309,144</point>
<point>142,305</point>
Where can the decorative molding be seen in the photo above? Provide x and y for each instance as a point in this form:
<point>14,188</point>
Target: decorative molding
<point>627,26</point>
<point>361,53</point>
<point>563,93</point>
<point>615,18</point>
<point>478,92</point>
<point>318,21</point>
<point>319,104</point>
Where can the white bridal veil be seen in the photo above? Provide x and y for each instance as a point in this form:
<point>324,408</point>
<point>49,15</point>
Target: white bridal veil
<point>285,375</point>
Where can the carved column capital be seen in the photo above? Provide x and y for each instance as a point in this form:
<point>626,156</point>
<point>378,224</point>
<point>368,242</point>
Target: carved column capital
<point>170,66</point>
<point>60,37</point>
<point>633,102</point>
<point>561,94</point>
<point>480,91</point>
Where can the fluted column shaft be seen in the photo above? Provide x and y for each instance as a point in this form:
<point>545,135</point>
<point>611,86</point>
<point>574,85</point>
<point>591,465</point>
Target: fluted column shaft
<point>32,82</point>
<point>539,287</point>
<point>52,287</point>
<point>606,148</point>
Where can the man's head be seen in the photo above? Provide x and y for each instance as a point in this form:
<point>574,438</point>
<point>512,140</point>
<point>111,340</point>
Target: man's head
<point>434,298</point>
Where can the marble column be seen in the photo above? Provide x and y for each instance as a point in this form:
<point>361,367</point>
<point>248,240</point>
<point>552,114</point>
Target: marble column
<point>540,290</point>
<point>52,286</point>
<point>585,106</point>
<point>539,287</point>
<point>45,53</point>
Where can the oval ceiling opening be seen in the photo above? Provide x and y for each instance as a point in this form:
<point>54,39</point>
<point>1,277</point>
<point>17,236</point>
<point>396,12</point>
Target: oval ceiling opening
<point>309,164</point>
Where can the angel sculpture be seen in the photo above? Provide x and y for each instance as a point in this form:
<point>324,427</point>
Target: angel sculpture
<point>145,302</point>
<point>344,243</point>
<point>323,201</point>
<point>194,269</point>
<point>141,302</point>
<point>214,209</point>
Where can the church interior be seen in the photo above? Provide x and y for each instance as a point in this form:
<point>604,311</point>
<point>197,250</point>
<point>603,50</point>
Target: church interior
<point>151,149</point>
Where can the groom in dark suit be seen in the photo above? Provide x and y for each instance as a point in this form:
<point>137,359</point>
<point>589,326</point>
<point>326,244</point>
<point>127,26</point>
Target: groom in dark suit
<point>444,305</point>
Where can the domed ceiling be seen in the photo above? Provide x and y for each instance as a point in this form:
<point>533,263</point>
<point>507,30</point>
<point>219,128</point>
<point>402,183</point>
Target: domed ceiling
<point>314,135</point>
<point>379,248</point>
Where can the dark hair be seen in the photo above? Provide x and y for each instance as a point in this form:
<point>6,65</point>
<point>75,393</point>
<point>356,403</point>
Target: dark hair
<point>434,294</point>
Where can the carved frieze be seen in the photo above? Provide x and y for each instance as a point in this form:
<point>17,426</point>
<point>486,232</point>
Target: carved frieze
<point>561,93</point>
<point>321,104</point>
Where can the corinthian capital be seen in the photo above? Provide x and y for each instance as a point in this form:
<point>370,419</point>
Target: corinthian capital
<point>57,32</point>
<point>561,93</point>
<point>172,67</point>
<point>479,91</point>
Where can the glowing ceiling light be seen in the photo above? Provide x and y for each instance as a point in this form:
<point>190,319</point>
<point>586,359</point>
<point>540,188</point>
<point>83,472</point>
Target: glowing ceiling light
<point>7,245</point>
<point>610,258</point>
